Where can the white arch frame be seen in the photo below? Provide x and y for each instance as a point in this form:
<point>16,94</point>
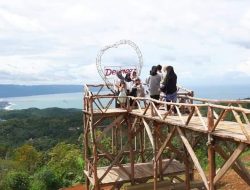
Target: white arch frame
<point>115,45</point>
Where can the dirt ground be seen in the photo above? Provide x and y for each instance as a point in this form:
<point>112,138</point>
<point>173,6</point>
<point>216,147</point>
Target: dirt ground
<point>231,181</point>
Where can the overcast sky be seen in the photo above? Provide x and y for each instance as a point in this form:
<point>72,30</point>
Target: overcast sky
<point>56,41</point>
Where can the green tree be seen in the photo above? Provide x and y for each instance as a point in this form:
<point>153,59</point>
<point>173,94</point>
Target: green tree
<point>45,179</point>
<point>16,180</point>
<point>27,157</point>
<point>3,150</point>
<point>67,163</point>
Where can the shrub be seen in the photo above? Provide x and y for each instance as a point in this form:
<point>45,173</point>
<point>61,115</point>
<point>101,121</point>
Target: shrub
<point>17,180</point>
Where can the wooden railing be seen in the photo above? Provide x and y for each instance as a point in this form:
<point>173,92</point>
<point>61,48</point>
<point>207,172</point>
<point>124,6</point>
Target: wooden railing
<point>210,112</point>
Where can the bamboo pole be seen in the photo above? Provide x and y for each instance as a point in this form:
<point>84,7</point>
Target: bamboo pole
<point>193,156</point>
<point>131,148</point>
<point>211,164</point>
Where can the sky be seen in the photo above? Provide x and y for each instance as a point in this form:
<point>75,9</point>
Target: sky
<point>57,41</point>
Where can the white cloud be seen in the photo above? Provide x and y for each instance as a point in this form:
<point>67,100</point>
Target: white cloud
<point>57,41</point>
<point>12,21</point>
<point>244,67</point>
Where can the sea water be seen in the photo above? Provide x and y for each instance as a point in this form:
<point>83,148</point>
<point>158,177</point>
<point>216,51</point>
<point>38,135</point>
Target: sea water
<point>67,100</point>
<point>75,100</point>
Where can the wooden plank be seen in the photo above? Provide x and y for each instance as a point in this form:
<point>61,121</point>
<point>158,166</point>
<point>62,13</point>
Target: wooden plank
<point>142,171</point>
<point>193,156</point>
<point>229,162</point>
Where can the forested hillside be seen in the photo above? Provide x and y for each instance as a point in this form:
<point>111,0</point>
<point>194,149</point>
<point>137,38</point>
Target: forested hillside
<point>40,149</point>
<point>43,150</point>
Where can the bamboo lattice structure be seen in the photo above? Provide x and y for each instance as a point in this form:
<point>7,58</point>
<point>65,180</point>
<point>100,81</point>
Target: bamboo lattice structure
<point>150,139</point>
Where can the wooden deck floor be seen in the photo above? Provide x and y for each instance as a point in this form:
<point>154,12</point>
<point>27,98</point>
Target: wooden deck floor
<point>142,170</point>
<point>225,129</point>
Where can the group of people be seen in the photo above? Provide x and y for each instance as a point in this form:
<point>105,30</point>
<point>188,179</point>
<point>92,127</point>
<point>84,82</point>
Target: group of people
<point>130,85</point>
<point>162,85</point>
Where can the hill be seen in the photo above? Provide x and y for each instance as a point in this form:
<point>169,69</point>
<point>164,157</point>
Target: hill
<point>41,128</point>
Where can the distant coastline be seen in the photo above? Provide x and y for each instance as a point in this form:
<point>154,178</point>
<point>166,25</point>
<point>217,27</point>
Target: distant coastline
<point>4,105</point>
<point>10,90</point>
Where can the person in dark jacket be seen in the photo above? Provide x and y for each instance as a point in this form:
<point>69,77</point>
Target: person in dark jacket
<point>170,83</point>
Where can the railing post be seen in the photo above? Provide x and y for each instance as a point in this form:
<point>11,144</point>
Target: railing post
<point>210,119</point>
<point>211,163</point>
<point>211,149</point>
<point>131,150</point>
<point>155,162</point>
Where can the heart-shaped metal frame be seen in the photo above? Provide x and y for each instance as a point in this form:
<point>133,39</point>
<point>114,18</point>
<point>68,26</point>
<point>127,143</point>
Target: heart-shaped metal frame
<point>115,45</point>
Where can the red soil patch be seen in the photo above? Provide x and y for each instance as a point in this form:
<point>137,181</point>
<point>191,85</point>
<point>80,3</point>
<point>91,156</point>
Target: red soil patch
<point>82,187</point>
<point>232,181</point>
<point>77,187</point>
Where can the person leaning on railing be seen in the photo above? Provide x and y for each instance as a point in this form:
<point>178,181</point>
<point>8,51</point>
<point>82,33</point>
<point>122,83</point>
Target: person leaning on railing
<point>137,90</point>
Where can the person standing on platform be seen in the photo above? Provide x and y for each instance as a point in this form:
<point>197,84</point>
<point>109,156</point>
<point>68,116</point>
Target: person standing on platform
<point>154,83</point>
<point>117,83</point>
<point>128,82</point>
<point>170,83</point>
<point>122,94</point>
<point>134,76</point>
<point>139,89</point>
<point>159,71</point>
<point>164,74</point>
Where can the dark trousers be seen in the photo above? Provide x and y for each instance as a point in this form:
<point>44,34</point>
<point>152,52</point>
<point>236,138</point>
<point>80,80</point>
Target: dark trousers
<point>156,97</point>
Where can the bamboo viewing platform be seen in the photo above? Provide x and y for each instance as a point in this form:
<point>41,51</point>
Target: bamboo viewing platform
<point>152,144</point>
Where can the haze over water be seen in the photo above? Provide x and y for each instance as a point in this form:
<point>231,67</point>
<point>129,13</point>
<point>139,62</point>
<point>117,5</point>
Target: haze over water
<point>74,100</point>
